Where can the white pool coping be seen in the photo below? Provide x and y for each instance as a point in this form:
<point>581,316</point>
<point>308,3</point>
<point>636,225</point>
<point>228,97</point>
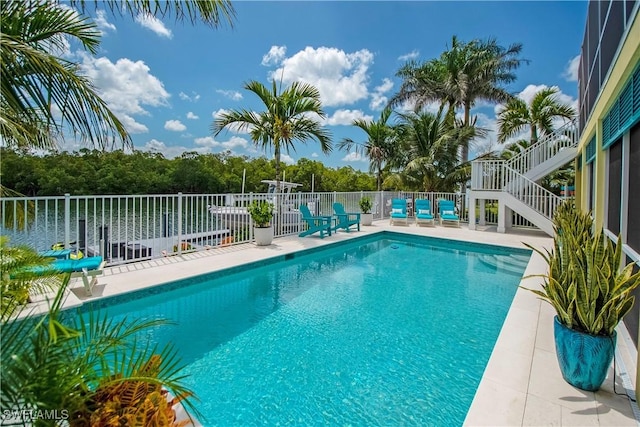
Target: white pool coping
<point>521,385</point>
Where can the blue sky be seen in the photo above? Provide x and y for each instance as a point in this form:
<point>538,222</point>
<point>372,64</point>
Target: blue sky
<point>168,80</point>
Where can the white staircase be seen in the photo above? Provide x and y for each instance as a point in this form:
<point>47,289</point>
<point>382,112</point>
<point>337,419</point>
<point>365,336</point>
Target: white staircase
<point>512,182</point>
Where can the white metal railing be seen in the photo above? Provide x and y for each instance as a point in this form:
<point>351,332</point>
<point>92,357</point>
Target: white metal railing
<point>533,195</point>
<point>136,227</point>
<point>487,175</point>
<point>495,175</point>
<point>545,148</point>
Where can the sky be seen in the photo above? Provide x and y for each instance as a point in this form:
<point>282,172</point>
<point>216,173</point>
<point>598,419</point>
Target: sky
<point>167,80</point>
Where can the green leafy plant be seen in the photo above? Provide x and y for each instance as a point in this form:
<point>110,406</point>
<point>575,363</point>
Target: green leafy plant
<point>365,205</point>
<point>584,283</point>
<point>22,272</point>
<point>98,370</point>
<point>261,212</point>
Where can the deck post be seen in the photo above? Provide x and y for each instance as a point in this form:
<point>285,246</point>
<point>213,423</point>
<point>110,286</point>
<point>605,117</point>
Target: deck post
<point>180,223</point>
<point>67,219</point>
<point>502,217</point>
<point>483,211</point>
<point>471,209</point>
<point>249,221</point>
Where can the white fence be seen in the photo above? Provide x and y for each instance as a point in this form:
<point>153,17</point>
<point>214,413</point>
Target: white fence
<point>134,227</point>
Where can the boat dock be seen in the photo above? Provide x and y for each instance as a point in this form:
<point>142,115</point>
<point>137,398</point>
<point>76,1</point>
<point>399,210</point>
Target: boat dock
<point>136,250</point>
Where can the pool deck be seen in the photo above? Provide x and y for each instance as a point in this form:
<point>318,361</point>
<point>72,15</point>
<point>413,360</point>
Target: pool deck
<point>521,385</point>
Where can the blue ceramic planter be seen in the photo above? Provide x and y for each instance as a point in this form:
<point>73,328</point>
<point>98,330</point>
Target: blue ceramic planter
<point>584,359</point>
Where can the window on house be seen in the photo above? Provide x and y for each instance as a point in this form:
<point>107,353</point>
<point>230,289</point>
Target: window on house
<point>633,198</point>
<point>615,185</point>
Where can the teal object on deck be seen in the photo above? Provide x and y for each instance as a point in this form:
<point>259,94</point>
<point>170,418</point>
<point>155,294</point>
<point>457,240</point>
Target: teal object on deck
<point>344,220</point>
<point>584,359</point>
<point>58,254</point>
<point>315,224</point>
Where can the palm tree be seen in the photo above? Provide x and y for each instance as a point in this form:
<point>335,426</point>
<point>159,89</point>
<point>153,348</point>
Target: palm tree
<point>33,80</point>
<point>379,144</point>
<point>537,116</point>
<point>462,75</point>
<point>429,159</point>
<point>288,117</point>
<point>514,149</point>
<point>212,13</point>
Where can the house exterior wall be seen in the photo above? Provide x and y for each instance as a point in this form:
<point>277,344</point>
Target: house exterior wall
<point>621,69</point>
<point>609,65</point>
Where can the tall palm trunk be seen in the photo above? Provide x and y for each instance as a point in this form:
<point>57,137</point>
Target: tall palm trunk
<point>534,133</point>
<point>464,154</point>
<point>276,155</point>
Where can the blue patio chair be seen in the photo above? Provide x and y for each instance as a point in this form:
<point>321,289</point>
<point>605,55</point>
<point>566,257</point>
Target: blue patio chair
<point>398,211</point>
<point>447,213</point>
<point>85,268</point>
<point>345,220</point>
<point>424,214</point>
<point>315,224</point>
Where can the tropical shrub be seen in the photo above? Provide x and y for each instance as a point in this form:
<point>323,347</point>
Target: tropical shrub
<point>365,205</point>
<point>261,212</point>
<point>584,283</point>
<point>89,368</point>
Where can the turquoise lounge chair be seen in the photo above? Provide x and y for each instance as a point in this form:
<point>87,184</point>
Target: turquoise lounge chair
<point>398,211</point>
<point>424,214</point>
<point>315,224</point>
<point>344,219</point>
<point>447,212</point>
<point>85,268</point>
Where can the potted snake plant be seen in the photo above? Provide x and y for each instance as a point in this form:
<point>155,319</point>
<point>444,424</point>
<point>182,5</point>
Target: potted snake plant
<point>590,293</point>
<point>261,212</point>
<point>365,207</point>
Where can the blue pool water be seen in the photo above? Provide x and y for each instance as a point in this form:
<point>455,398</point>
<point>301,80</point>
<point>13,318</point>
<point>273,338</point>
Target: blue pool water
<point>387,330</point>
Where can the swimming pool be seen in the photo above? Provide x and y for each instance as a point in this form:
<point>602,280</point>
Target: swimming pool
<point>381,330</point>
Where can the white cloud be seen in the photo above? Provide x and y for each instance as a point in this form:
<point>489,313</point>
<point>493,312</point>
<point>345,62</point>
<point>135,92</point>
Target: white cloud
<point>287,159</point>
<point>314,155</point>
<point>378,100</point>
<point>219,112</point>
<point>126,86</point>
<point>233,142</point>
<point>192,116</point>
<point>340,77</point>
<point>103,24</point>
<point>191,98</point>
<point>354,157</point>
<point>571,70</point>
<point>231,94</point>
<point>274,56</point>
<point>174,125</point>
<point>411,55</point>
<point>346,117</point>
<point>170,152</point>
<point>154,24</point>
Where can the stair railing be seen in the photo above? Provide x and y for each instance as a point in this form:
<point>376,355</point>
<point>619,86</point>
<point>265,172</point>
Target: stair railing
<point>545,148</point>
<point>530,193</point>
<point>495,175</point>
